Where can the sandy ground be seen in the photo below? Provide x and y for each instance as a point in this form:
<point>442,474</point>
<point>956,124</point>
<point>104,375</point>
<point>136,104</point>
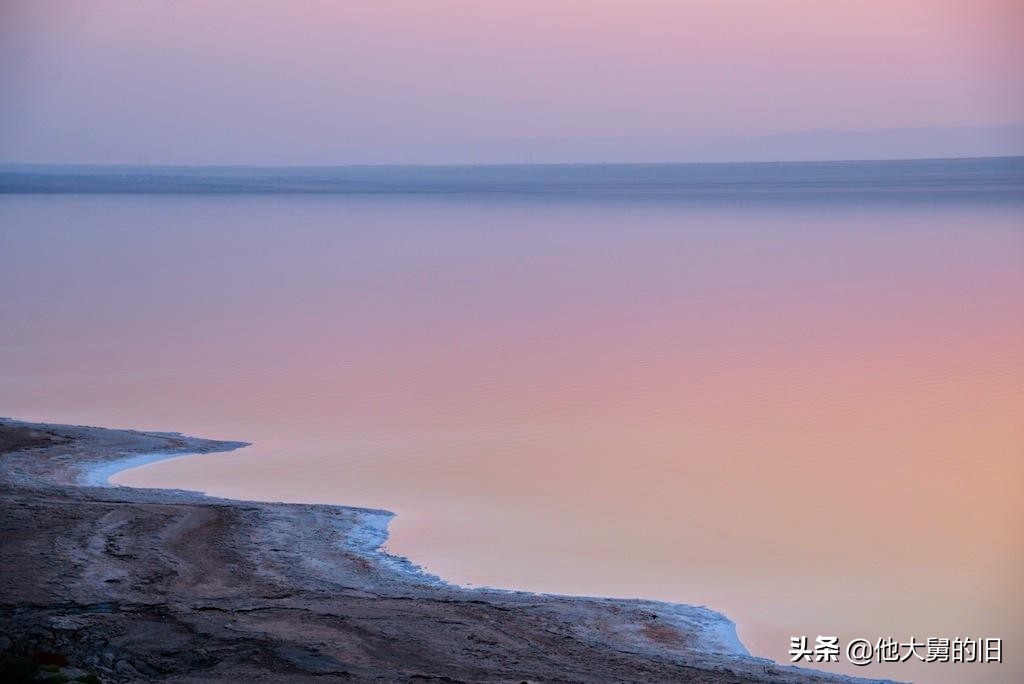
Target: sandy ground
<point>161,585</point>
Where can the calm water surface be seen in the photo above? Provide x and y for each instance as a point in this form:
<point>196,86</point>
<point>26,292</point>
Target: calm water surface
<point>806,414</point>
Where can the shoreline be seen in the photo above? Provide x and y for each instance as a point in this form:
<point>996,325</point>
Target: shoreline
<point>99,474</point>
<point>369,538</point>
<point>319,560</point>
<point>373,536</point>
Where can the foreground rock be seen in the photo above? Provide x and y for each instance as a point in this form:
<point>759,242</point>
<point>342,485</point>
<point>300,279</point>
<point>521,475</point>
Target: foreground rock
<point>153,585</point>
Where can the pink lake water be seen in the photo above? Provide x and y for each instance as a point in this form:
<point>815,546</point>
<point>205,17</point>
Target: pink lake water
<point>806,414</point>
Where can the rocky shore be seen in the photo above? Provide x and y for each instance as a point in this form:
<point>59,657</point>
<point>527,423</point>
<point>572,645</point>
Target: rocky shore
<point>115,584</point>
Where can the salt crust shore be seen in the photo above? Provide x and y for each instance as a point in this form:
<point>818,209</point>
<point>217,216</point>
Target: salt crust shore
<point>175,586</point>
<point>371,537</point>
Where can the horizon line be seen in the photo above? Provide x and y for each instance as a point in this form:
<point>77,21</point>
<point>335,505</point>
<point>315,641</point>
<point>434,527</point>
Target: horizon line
<point>761,162</point>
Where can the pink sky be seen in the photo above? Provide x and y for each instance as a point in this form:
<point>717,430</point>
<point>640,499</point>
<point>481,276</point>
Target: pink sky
<point>334,82</point>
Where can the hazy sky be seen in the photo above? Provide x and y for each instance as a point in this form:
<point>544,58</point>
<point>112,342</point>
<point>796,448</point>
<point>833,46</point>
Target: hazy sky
<point>314,81</point>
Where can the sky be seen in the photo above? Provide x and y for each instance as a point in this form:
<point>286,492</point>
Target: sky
<point>319,82</point>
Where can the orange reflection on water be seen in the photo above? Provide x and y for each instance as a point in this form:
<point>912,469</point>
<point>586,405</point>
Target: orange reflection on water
<point>806,416</point>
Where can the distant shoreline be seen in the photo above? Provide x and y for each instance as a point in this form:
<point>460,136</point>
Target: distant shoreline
<point>15,166</point>
<point>946,179</point>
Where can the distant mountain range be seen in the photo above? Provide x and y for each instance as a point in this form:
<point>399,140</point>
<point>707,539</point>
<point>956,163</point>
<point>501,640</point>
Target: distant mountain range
<point>892,143</point>
<point>815,145</point>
